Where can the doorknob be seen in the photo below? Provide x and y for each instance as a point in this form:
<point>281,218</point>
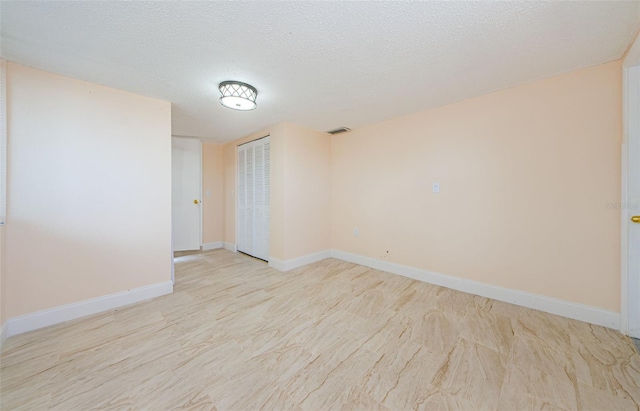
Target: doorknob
<point>196,202</point>
<point>636,218</point>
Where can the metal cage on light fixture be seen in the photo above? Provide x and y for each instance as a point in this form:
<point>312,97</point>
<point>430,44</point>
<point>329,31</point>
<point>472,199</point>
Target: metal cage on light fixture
<point>238,95</point>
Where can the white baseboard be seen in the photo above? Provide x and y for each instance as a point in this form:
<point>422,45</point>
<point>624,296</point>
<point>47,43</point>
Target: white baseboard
<point>41,319</point>
<point>277,264</point>
<point>211,246</point>
<point>231,247</point>
<point>299,261</point>
<point>588,314</point>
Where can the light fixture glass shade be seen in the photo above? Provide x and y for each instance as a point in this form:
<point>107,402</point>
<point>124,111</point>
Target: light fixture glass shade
<point>237,95</point>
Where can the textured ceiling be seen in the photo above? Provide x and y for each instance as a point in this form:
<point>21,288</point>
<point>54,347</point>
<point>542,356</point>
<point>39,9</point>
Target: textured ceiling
<point>318,64</point>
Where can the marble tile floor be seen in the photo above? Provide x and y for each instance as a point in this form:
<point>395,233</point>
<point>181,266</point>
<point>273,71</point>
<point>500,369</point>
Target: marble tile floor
<point>238,335</point>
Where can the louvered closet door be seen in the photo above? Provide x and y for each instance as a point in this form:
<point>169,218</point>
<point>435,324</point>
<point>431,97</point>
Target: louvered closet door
<point>253,198</point>
<point>242,199</point>
<point>251,202</point>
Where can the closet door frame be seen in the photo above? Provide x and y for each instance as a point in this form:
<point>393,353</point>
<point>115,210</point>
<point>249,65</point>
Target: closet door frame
<point>237,194</point>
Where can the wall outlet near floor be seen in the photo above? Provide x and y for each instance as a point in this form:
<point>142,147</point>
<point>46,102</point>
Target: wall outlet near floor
<point>208,193</point>
<point>355,232</point>
<point>436,187</point>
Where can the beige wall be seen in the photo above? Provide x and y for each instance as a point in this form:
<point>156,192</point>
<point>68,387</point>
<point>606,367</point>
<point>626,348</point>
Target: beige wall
<point>307,206</point>
<point>213,182</point>
<point>300,189</point>
<point>89,191</point>
<point>525,175</point>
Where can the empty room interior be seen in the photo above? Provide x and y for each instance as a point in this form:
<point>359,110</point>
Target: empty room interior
<point>320,205</point>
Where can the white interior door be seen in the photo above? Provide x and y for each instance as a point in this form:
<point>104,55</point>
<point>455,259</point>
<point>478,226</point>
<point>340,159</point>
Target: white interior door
<point>186,193</point>
<point>631,195</point>
<point>254,160</point>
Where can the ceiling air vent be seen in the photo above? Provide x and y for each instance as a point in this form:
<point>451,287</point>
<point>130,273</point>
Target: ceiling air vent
<point>339,130</point>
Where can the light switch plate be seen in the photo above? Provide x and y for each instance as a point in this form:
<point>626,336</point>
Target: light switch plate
<point>436,187</point>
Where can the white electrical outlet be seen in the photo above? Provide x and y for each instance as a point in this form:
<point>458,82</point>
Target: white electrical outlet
<point>436,187</point>
<point>355,232</point>
<point>208,193</point>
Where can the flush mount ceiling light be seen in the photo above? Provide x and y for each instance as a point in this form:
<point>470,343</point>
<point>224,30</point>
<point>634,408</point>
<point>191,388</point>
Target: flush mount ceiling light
<point>238,95</point>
